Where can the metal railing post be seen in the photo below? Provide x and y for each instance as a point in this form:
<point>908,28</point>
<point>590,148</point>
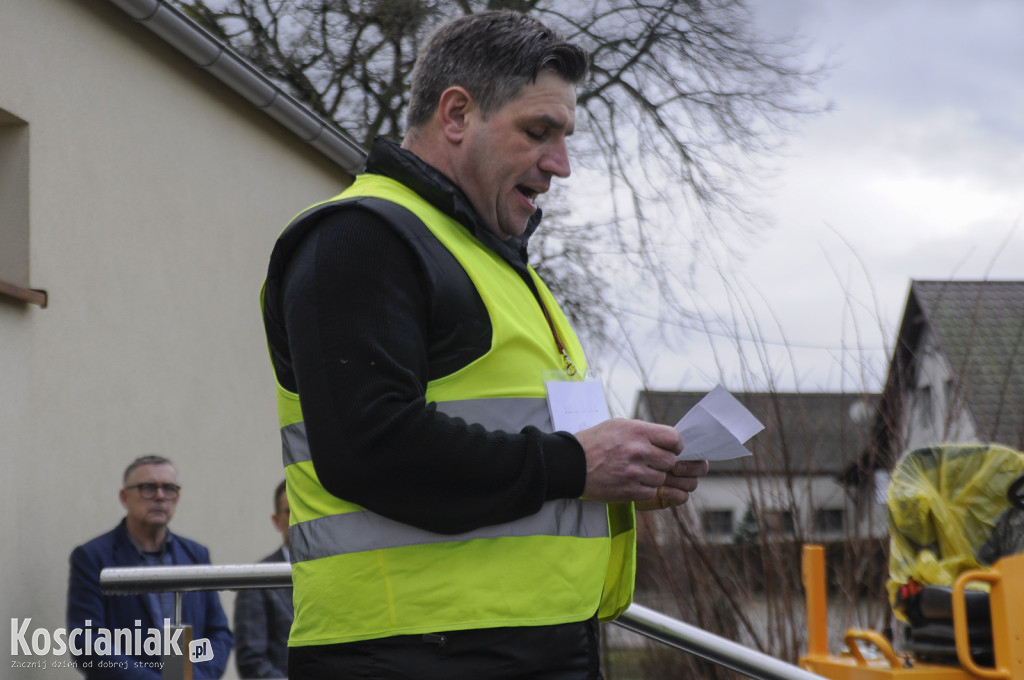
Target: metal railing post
<point>177,607</point>
<point>177,667</point>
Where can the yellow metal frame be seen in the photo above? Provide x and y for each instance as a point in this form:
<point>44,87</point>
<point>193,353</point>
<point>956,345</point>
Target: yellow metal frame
<point>1006,579</point>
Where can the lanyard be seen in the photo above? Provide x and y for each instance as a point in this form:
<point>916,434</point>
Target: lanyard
<point>570,367</point>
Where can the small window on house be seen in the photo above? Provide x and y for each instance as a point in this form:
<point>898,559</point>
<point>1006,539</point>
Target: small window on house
<point>716,523</point>
<point>779,522</point>
<point>828,521</point>
<point>881,481</point>
<point>947,396</point>
<point>925,405</point>
<point>14,233</point>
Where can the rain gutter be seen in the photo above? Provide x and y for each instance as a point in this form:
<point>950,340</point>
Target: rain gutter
<point>199,45</point>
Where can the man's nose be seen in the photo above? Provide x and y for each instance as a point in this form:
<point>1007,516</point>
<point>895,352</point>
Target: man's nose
<point>556,160</point>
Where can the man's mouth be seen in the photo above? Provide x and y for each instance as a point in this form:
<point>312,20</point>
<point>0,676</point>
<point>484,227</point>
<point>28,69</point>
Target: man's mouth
<point>530,194</point>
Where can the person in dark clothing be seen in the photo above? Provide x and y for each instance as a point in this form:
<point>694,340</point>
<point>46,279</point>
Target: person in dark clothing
<point>149,495</point>
<point>263,616</point>
<point>442,526</point>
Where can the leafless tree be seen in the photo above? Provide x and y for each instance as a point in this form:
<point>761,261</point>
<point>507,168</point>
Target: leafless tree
<point>683,100</point>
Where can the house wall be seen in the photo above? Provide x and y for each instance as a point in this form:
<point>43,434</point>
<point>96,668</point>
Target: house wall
<point>934,415</point>
<point>154,197</point>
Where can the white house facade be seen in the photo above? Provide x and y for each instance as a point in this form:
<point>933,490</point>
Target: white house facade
<point>140,197</point>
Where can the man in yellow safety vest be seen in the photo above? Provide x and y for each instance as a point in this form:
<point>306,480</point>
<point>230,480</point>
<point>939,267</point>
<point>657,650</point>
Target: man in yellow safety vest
<point>440,527</point>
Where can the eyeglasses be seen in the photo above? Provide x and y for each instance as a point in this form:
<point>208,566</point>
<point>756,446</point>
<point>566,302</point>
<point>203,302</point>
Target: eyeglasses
<point>148,490</point>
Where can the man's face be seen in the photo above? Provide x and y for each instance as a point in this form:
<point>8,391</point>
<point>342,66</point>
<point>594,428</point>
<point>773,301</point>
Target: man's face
<point>158,511</point>
<point>507,160</point>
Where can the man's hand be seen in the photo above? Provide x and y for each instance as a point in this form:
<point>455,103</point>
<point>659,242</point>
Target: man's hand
<point>631,460</point>
<point>627,460</point>
<point>679,482</point>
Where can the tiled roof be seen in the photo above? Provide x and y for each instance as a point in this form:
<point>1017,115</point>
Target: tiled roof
<point>805,433</point>
<point>979,327</point>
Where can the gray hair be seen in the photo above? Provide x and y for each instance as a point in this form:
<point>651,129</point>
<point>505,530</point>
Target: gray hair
<point>150,459</point>
<point>494,56</point>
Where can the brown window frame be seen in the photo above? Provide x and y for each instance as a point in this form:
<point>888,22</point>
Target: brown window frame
<point>33,296</point>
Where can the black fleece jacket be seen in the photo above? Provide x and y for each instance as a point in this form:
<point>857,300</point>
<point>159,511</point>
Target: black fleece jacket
<point>359,322</point>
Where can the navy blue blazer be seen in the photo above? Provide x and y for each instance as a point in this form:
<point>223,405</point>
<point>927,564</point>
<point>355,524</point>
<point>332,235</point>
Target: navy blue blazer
<point>86,602</point>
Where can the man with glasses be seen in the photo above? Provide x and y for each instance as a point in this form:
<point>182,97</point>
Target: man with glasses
<point>149,495</point>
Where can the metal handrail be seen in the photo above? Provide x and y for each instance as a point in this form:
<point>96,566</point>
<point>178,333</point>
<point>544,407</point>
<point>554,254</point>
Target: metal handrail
<point>637,618</point>
<point>192,577</point>
<point>700,642</point>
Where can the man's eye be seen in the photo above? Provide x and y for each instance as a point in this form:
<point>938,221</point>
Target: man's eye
<point>536,135</point>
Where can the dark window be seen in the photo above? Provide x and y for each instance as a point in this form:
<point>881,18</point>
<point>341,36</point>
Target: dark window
<point>717,522</point>
<point>926,405</point>
<point>828,521</point>
<point>778,522</point>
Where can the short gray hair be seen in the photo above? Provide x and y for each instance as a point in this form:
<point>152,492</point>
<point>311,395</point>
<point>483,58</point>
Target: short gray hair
<point>494,55</point>
<point>149,459</point>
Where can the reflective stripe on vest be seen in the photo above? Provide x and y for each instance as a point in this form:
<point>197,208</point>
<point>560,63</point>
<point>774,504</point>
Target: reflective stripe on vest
<point>360,530</point>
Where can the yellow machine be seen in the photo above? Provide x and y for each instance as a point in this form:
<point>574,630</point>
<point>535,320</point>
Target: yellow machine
<point>1006,598</point>
<point>957,530</point>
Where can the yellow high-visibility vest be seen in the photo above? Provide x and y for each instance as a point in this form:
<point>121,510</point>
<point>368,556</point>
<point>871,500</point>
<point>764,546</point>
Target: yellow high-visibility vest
<point>358,575</point>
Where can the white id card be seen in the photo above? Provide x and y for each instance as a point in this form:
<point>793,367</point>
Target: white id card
<point>577,404</point>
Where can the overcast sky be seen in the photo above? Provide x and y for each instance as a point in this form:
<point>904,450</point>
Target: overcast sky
<point>916,173</point>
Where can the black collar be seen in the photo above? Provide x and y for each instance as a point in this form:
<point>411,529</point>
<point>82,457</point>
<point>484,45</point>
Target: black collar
<point>391,160</point>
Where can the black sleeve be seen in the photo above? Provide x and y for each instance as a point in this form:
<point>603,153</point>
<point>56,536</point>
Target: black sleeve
<point>357,312</point>
<point>252,631</point>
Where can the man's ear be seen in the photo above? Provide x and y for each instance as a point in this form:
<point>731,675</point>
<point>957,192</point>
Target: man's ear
<point>453,112</point>
<point>123,496</point>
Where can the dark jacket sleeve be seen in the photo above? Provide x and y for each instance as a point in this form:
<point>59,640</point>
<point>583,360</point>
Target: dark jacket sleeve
<point>252,631</point>
<point>357,305</point>
<point>262,622</point>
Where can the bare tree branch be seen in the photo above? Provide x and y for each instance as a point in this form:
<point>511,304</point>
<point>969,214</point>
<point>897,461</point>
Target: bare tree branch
<point>682,102</point>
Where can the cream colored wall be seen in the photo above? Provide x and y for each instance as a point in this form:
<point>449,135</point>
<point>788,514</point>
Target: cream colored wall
<point>156,196</point>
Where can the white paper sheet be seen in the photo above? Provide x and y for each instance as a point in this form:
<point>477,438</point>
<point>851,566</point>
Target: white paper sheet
<point>716,428</point>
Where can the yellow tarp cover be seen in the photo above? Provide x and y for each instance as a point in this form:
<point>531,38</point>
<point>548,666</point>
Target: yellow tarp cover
<point>949,512</point>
